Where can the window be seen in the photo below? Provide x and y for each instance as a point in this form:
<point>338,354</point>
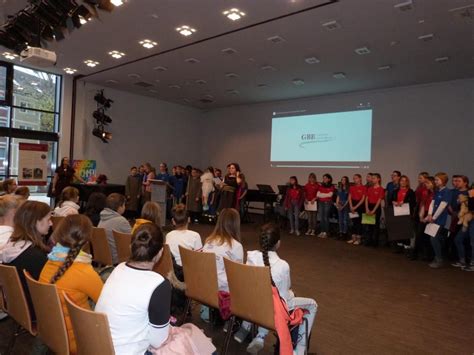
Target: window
<point>29,113</point>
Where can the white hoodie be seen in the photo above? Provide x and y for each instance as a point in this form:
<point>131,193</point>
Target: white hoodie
<point>280,271</point>
<point>10,251</point>
<point>5,233</point>
<point>67,208</point>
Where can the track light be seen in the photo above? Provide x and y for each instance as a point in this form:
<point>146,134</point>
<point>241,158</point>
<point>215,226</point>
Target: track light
<point>100,133</point>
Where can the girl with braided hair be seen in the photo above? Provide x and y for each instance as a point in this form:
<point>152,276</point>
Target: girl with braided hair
<point>69,267</point>
<point>280,273</point>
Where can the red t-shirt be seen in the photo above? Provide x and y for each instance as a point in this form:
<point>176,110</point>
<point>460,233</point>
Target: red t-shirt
<point>294,194</point>
<point>375,193</point>
<point>428,197</point>
<point>310,191</point>
<point>420,193</point>
<point>325,190</point>
<point>357,192</point>
<point>401,195</point>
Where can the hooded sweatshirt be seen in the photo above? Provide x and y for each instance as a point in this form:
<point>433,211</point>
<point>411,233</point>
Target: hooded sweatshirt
<point>5,233</point>
<point>111,220</point>
<point>280,271</point>
<point>67,208</point>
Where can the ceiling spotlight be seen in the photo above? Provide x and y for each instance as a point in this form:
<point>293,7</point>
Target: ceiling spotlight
<point>234,14</point>
<point>186,30</point>
<point>70,70</point>
<point>117,2</point>
<point>116,54</point>
<point>9,55</point>
<point>148,44</point>
<point>384,67</point>
<point>312,60</point>
<point>100,133</point>
<point>91,63</point>
<point>83,20</point>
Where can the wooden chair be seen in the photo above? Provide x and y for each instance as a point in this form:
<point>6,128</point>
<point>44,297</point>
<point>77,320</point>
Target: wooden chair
<point>14,303</point>
<point>200,276</point>
<point>49,315</point>
<point>165,265</point>
<point>100,247</point>
<point>56,220</point>
<point>122,241</point>
<point>246,285</point>
<point>91,330</point>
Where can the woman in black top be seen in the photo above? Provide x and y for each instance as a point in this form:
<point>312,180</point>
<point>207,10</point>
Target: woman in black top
<point>63,177</point>
<point>25,249</point>
<point>95,205</point>
<point>229,187</point>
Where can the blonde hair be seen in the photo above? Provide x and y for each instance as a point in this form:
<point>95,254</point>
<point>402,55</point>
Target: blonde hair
<point>443,177</point>
<point>227,228</point>
<point>69,194</point>
<point>8,203</point>
<point>151,211</point>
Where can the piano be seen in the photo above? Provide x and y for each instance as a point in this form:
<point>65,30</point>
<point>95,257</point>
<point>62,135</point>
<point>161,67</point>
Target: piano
<point>267,198</point>
<point>85,190</point>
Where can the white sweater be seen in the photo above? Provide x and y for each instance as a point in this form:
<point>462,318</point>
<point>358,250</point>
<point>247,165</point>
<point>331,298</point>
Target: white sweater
<point>67,208</point>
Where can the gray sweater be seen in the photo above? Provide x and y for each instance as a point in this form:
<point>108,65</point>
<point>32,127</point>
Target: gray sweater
<point>111,220</point>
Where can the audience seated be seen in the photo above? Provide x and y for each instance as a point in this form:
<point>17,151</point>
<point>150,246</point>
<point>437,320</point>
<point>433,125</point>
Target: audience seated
<point>69,202</point>
<point>137,301</point>
<point>95,204</point>
<point>151,213</point>
<point>111,219</point>
<point>23,193</point>
<point>8,207</point>
<point>70,268</point>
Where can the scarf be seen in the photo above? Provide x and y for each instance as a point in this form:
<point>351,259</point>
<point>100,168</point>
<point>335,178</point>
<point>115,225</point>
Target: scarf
<point>59,253</point>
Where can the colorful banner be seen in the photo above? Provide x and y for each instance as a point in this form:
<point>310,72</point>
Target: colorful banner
<point>32,164</point>
<point>86,169</point>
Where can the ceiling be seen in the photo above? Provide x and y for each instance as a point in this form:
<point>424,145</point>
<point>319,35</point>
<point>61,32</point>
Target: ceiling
<point>265,70</point>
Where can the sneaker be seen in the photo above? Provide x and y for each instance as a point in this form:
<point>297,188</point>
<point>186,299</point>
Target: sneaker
<point>313,232</point>
<point>205,208</point>
<point>472,263</point>
<point>3,315</point>
<point>292,231</point>
<point>204,314</point>
<point>241,335</point>
<point>436,264</point>
<point>459,264</point>
<point>350,241</point>
<point>468,268</point>
<point>357,242</point>
<point>255,345</point>
<point>324,235</point>
<point>308,232</point>
<point>298,233</point>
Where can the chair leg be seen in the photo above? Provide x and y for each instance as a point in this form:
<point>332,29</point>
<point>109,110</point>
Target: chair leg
<point>225,346</point>
<point>186,310</point>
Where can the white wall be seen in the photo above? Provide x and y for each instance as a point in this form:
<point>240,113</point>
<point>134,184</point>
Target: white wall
<point>427,127</point>
<point>144,129</point>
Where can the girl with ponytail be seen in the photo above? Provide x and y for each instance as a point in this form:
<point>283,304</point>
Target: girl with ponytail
<point>280,273</point>
<point>70,268</point>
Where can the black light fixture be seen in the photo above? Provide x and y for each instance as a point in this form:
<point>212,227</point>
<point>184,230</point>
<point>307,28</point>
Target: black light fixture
<point>100,133</point>
<point>101,119</point>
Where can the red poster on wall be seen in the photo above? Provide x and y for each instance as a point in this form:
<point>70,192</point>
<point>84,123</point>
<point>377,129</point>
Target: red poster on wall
<point>32,164</point>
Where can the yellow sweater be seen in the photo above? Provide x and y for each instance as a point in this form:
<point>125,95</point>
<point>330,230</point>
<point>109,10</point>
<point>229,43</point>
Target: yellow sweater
<point>80,282</point>
<point>138,223</point>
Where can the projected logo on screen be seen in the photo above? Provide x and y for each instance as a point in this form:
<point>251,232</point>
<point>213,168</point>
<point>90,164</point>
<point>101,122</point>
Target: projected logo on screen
<point>313,138</point>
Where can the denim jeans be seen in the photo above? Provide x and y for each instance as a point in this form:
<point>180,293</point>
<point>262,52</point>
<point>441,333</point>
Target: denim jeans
<point>294,215</point>
<point>343,217</point>
<point>437,243</point>
<point>324,210</point>
<point>459,241</point>
<point>312,219</point>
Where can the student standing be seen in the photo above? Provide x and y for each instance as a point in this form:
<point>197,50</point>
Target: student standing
<point>310,195</point>
<point>325,197</point>
<point>438,214</point>
<point>342,204</point>
<point>241,194</point>
<point>194,195</point>
<point>357,195</point>
<point>293,202</point>
<point>229,187</point>
<point>132,192</point>
<point>393,185</point>
<point>375,196</point>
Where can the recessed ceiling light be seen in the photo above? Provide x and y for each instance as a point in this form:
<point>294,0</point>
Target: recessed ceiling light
<point>268,67</point>
<point>426,38</point>
<point>231,75</point>
<point>201,82</point>
<point>232,92</point>
<point>228,51</point>
<point>312,60</point>
<point>276,39</point>
<point>384,67</point>
<point>153,91</point>
<point>70,70</point>
<point>298,82</point>
<point>133,76</point>
<point>441,59</point>
<point>116,54</point>
<point>191,60</point>
<point>362,50</point>
<point>160,68</point>
<point>339,75</point>
<point>148,43</point>
<point>394,43</point>
<point>117,2</point>
<point>234,14</point>
<point>404,6</point>
<point>331,25</point>
<point>262,85</point>
<point>174,86</point>
<point>84,20</point>
<point>421,21</point>
<point>155,16</point>
<point>34,83</point>
<point>186,100</point>
<point>91,63</point>
<point>9,55</point>
<point>111,81</point>
<point>157,80</point>
<point>186,30</point>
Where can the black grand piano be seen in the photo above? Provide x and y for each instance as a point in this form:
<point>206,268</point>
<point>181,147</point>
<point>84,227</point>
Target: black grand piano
<point>85,190</point>
<point>265,194</point>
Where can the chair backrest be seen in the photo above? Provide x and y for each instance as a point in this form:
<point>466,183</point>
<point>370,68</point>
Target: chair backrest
<point>100,247</point>
<point>250,293</point>
<point>91,329</point>
<point>56,220</point>
<point>14,299</point>
<point>165,265</point>
<point>200,276</point>
<point>49,315</point>
<point>122,241</point>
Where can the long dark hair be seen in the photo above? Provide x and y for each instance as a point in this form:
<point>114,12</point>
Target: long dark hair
<point>73,232</point>
<point>147,241</point>
<point>269,237</point>
<point>95,203</point>
<point>25,220</point>
<point>347,184</point>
